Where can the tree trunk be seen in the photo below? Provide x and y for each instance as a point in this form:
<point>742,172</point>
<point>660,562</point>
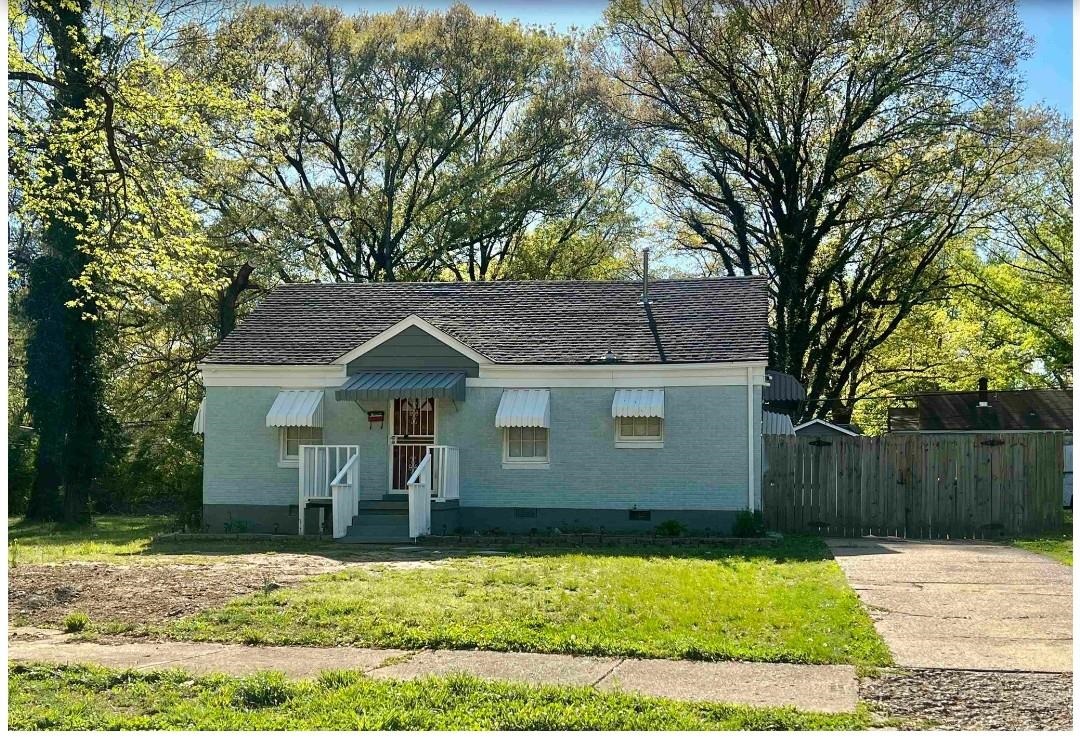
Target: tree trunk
<point>63,385</point>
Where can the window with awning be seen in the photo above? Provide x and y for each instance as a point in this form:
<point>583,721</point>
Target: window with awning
<point>296,409</point>
<point>639,417</point>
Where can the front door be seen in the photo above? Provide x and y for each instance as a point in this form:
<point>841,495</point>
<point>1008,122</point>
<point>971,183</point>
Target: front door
<point>412,430</point>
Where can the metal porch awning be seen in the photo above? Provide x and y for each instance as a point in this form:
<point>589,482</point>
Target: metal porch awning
<point>377,385</point>
<point>638,402</point>
<point>199,426</point>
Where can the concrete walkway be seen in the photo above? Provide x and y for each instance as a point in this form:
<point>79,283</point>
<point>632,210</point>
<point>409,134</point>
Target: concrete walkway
<point>832,688</point>
<point>968,605</point>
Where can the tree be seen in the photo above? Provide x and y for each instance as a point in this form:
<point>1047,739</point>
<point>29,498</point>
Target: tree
<point>98,122</point>
<point>836,147</point>
<point>418,145</point>
<point>1023,265</point>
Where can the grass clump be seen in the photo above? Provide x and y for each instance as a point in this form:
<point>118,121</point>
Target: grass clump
<point>86,698</point>
<point>76,622</point>
<point>784,602</point>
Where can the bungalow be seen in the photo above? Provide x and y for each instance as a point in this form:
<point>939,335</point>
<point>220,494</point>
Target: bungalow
<point>382,411</point>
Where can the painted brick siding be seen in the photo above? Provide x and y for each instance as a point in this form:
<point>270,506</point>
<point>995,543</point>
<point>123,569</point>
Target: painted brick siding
<point>241,460</point>
<point>702,466</point>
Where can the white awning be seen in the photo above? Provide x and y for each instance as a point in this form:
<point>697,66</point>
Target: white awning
<point>296,409</point>
<point>774,423</point>
<point>524,408</point>
<point>199,427</point>
<point>638,402</point>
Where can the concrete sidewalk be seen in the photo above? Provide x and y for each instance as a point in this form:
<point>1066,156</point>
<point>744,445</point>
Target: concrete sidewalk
<point>830,688</point>
<point>962,604</point>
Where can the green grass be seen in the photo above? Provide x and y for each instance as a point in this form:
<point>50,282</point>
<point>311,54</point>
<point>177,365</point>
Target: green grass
<point>1057,547</point>
<point>83,698</point>
<point>783,602</point>
<point>118,538</point>
<point>105,538</point>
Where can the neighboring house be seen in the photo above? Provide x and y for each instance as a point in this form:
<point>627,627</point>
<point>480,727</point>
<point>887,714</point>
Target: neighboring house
<point>408,408</point>
<point>822,428</point>
<point>1020,411</point>
<point>780,400</point>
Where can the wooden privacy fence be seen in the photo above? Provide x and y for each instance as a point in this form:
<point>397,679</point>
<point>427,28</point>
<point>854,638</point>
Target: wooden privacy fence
<point>956,486</point>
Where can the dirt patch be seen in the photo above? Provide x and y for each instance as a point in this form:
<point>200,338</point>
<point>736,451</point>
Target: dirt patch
<point>972,700</point>
<point>155,593</point>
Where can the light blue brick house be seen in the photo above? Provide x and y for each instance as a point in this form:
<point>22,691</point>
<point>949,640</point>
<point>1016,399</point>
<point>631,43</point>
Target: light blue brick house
<point>382,411</point>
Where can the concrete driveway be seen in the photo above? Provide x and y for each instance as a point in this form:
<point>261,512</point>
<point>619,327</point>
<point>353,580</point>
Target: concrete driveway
<point>972,605</point>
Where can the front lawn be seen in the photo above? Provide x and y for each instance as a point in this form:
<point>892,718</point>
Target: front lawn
<point>783,602</point>
<point>81,698</point>
<point>104,538</point>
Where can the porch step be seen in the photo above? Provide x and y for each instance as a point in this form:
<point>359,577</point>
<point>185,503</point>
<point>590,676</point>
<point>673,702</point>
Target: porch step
<point>378,525</point>
<point>396,497</point>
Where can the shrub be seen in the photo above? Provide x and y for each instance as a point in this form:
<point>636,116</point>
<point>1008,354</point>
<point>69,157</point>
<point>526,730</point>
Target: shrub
<point>76,622</point>
<point>671,528</point>
<point>748,524</point>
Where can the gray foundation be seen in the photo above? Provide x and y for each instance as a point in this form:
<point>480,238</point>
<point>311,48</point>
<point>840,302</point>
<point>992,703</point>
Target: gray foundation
<point>615,521</point>
<point>449,519</point>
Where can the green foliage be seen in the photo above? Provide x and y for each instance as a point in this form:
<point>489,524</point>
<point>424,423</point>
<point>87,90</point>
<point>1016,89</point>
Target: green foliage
<point>21,450</point>
<point>783,602</point>
<point>76,622</point>
<point>87,698</point>
<point>748,524</point>
<point>671,528</point>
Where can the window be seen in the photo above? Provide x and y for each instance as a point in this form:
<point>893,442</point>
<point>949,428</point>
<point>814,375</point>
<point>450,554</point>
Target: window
<point>292,438</point>
<point>639,431</point>
<point>525,447</point>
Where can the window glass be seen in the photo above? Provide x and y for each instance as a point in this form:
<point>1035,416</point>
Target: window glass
<point>526,443</point>
<point>296,436</point>
<point>640,428</point>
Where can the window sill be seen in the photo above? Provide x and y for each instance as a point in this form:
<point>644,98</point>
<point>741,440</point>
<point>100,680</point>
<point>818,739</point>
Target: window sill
<point>644,444</point>
<point>288,463</point>
<point>526,465</point>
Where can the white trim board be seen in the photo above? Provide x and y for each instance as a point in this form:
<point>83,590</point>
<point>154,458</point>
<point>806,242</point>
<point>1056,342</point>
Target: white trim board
<point>507,376</point>
<point>406,323</point>
<point>829,425</point>
<point>280,376</point>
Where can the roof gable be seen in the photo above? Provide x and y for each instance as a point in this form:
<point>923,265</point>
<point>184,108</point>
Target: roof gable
<point>410,325</point>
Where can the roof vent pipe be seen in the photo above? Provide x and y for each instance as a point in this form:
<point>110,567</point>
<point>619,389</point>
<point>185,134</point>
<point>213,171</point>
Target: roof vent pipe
<point>984,395</point>
<point>645,278</point>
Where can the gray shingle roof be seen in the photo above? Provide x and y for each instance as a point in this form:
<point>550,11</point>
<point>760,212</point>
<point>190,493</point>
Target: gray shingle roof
<point>699,320</point>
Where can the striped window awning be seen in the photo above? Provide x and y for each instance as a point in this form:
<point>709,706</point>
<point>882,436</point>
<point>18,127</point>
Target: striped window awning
<point>381,385</point>
<point>638,402</point>
<point>199,427</point>
<point>296,409</point>
<point>529,407</point>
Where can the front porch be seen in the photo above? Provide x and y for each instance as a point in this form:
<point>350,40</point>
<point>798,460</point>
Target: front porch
<point>329,483</point>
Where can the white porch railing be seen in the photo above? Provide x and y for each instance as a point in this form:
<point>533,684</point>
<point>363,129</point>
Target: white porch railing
<point>345,491</point>
<point>444,472</point>
<point>329,473</point>
<point>435,478</point>
<point>420,498</point>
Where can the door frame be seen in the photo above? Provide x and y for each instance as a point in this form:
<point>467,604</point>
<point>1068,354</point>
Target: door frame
<point>390,440</point>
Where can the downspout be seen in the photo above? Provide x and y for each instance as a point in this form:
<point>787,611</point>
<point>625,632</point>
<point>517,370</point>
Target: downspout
<point>750,467</point>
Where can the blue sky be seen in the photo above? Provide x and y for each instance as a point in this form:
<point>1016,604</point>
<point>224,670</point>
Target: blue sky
<point>1048,22</point>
